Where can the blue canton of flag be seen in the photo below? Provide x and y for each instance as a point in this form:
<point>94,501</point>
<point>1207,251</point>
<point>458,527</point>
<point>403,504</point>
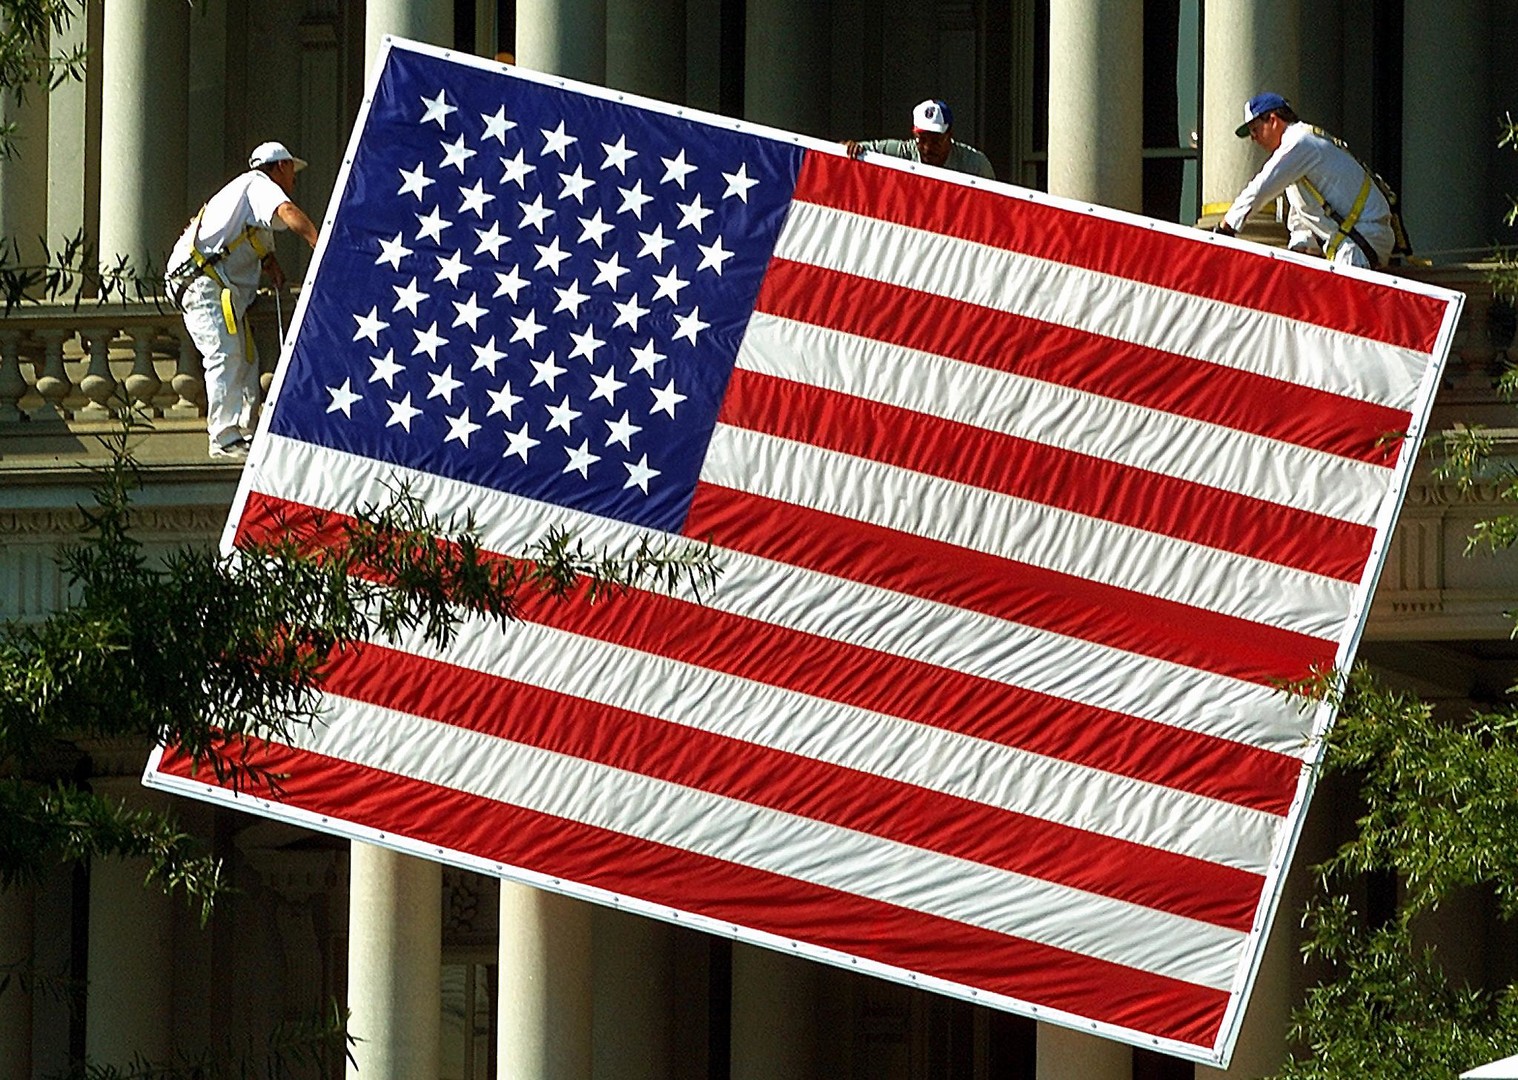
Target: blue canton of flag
<point>535,290</point>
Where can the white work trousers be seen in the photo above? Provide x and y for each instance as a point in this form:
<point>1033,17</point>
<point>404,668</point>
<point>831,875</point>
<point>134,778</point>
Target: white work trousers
<point>231,373</point>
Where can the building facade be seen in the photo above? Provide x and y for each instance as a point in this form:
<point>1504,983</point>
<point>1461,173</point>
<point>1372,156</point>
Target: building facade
<point>1124,103</point>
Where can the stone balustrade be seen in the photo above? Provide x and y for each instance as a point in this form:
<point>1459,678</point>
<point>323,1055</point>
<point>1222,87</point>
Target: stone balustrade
<point>77,367</point>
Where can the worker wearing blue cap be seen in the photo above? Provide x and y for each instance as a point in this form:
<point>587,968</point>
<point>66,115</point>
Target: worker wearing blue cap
<point>1335,205</point>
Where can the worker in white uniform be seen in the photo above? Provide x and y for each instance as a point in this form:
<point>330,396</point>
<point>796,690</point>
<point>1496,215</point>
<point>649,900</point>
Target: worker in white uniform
<point>213,275</point>
<point>1335,207</point>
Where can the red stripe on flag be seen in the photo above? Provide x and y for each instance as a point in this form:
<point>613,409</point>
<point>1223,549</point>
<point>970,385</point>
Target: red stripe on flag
<point>793,784</point>
<point>893,685</point>
<point>1065,479</point>
<point>1004,589</point>
<point>731,893</point>
<point>1217,271</point>
<point>1151,378</point>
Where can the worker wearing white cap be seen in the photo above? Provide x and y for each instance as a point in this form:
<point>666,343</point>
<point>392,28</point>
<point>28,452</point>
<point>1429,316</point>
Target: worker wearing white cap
<point>1335,206</point>
<point>932,143</point>
<point>213,275</point>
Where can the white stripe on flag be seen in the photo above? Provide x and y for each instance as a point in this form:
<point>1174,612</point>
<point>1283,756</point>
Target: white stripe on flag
<point>1097,303</point>
<point>812,851</point>
<point>1069,419</point>
<point>928,757</point>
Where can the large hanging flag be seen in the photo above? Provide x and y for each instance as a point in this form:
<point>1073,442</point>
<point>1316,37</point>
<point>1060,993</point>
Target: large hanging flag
<point>1024,509</point>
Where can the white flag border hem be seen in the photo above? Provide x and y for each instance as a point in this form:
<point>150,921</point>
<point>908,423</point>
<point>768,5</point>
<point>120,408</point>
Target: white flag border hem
<point>1217,1055</point>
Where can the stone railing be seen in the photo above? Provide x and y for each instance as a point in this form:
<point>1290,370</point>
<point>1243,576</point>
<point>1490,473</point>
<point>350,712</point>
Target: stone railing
<point>71,367</point>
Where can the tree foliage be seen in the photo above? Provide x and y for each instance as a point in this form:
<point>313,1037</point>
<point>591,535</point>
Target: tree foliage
<point>208,650</point>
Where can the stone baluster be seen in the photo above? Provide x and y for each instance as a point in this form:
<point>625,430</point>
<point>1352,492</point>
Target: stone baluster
<point>187,380</point>
<point>53,382</point>
<point>143,383</point>
<point>12,383</point>
<point>98,384</point>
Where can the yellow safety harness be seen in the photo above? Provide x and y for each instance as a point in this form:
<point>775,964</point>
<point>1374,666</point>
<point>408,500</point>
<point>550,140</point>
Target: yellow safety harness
<point>1346,222</point>
<point>206,264</point>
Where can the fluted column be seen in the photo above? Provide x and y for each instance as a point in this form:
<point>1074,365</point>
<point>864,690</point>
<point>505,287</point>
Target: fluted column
<point>131,953</point>
<point>73,130</point>
<point>23,175</point>
<point>544,1020</point>
<point>634,992</point>
<point>421,20</point>
<point>143,202</point>
<point>775,1027</point>
<point>565,37</point>
<point>395,936</point>
<point>786,62</point>
<point>1248,46</point>
<point>1064,1054</point>
<point>645,47</point>
<point>1448,126</point>
<point>1096,95</point>
<point>16,928</point>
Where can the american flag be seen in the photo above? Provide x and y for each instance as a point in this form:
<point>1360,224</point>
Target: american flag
<point>1024,511</point>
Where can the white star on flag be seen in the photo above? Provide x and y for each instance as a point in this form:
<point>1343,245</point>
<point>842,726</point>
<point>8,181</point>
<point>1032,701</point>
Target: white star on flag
<point>556,141</point>
<point>460,428</point>
<point>570,298</point>
<point>670,285</point>
<point>562,415</point>
<point>654,244</point>
<point>738,183</point>
<point>690,325</point>
<point>629,312</point>
<point>491,240</point>
<point>586,344</point>
<point>528,329</point>
<point>610,271</point>
<point>469,311</point>
<point>666,399</point>
<point>618,155</point>
<point>456,154</point>
<point>516,170</point>
<point>370,325</point>
<point>392,252</point>
<point>546,373</point>
<point>443,385</point>
<point>428,341</point>
<point>509,283</point>
<point>385,368</point>
<point>535,213</point>
<point>645,357</point>
<point>519,442</point>
<point>676,169</point>
<point>713,255</point>
<point>452,267</point>
<point>475,199</point>
<point>402,413</point>
<point>692,214</point>
<point>415,181</point>
<point>503,400</point>
<point>575,185</point>
<point>343,398</point>
<point>437,109</point>
<point>497,126</point>
<point>551,255</point>
<point>581,459</point>
<point>621,431</point>
<point>639,474</point>
<point>486,356</point>
<point>432,225</point>
<point>594,228</point>
<point>607,385</point>
<point>634,200</point>
<point>408,296</point>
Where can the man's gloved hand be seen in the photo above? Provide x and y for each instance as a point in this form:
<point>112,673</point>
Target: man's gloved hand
<point>1222,228</point>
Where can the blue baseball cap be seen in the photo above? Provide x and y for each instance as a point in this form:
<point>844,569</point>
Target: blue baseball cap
<point>1257,107</point>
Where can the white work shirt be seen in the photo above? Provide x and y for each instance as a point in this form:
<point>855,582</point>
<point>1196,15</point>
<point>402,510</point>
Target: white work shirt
<point>1330,169</point>
<point>251,199</point>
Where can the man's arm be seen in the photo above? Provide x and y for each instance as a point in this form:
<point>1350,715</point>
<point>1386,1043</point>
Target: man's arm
<point>296,221</point>
<point>1286,165</point>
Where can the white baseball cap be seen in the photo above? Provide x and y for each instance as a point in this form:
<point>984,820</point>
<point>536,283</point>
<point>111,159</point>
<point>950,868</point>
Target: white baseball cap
<point>270,152</point>
<point>932,115</point>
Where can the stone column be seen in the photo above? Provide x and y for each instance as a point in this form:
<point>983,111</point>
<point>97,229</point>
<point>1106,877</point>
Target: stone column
<point>565,37</point>
<point>775,1032</point>
<point>1448,127</point>
<point>16,956</point>
<point>1096,101</point>
<point>1064,1054</point>
<point>544,1022</point>
<point>73,138</point>
<point>143,130</point>
<point>645,47</point>
<point>131,953</point>
<point>395,942</point>
<point>1247,46</point>
<point>421,20</point>
<point>634,994</point>
<point>23,175</point>
<point>786,62</point>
